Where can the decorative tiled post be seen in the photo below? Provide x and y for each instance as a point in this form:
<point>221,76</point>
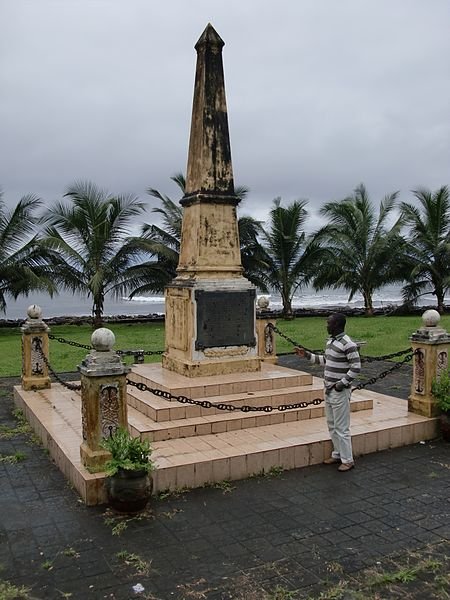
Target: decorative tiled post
<point>265,332</point>
<point>431,345</point>
<point>103,397</point>
<point>35,351</point>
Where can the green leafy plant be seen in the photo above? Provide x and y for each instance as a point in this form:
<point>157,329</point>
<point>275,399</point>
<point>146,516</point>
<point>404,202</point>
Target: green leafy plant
<point>71,552</point>
<point>440,388</point>
<point>127,452</point>
<point>225,485</point>
<point>401,576</point>
<point>47,565</point>
<point>281,593</point>
<point>117,527</point>
<point>12,459</point>
<point>8,591</point>
<point>141,566</point>
<point>22,427</point>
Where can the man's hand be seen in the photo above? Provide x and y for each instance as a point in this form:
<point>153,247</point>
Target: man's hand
<point>339,386</point>
<point>299,352</point>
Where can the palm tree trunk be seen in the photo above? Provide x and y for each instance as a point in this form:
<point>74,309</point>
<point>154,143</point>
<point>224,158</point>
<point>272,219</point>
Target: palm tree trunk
<point>97,312</point>
<point>368,306</point>
<point>287,307</point>
<point>440,302</point>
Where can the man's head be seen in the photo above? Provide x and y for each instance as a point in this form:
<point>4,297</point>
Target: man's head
<point>336,323</point>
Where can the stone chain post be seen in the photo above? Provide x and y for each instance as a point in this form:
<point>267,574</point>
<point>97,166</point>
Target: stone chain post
<point>265,334</point>
<point>35,344</point>
<point>430,344</point>
<point>103,398</point>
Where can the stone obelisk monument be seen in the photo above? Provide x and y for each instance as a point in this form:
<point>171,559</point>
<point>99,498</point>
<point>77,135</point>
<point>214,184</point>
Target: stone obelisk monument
<point>210,306</point>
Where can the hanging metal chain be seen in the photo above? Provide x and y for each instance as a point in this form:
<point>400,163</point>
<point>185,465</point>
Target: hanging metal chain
<point>71,386</point>
<point>291,341</point>
<point>139,352</point>
<point>62,340</point>
<point>139,358</point>
<point>384,374</point>
<point>368,359</point>
<point>136,353</point>
<point>221,406</point>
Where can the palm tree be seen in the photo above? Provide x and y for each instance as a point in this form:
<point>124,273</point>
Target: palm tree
<point>363,253</point>
<point>163,243</point>
<point>22,263</point>
<point>289,255</point>
<point>90,236</point>
<point>253,257</point>
<point>428,245</point>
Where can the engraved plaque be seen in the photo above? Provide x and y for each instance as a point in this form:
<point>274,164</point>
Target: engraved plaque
<point>225,319</point>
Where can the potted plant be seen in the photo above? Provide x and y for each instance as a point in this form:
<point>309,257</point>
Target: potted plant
<point>129,485</point>
<point>440,388</point>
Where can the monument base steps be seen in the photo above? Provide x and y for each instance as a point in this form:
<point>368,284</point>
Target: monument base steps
<point>158,419</point>
<point>210,446</point>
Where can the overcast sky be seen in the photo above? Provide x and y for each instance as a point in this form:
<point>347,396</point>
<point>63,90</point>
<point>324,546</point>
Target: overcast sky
<point>322,95</point>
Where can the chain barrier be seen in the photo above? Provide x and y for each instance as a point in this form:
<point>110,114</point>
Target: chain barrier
<point>70,386</point>
<point>368,359</point>
<point>221,406</point>
<point>290,340</point>
<point>138,354</point>
<point>384,374</point>
<point>139,358</point>
<point>62,340</point>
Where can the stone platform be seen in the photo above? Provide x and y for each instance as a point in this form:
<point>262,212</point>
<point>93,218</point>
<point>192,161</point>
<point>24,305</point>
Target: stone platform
<point>194,446</point>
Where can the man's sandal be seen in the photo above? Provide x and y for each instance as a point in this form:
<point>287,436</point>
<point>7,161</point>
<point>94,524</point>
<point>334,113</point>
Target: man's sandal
<point>331,461</point>
<point>346,467</point>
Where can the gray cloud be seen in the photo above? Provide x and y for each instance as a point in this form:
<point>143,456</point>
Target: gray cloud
<point>321,95</point>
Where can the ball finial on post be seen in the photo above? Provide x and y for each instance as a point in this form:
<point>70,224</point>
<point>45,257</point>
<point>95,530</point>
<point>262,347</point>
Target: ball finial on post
<point>34,312</point>
<point>431,318</point>
<point>103,339</point>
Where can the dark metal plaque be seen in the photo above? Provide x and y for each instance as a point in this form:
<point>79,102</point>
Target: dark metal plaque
<point>225,319</point>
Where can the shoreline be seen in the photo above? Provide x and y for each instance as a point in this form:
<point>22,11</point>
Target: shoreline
<point>325,311</point>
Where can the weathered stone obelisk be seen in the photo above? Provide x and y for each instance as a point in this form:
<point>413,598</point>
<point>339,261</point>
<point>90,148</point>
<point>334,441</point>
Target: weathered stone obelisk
<point>210,306</point>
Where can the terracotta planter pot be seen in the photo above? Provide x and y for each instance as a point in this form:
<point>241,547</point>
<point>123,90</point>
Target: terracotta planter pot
<point>129,491</point>
<point>445,426</point>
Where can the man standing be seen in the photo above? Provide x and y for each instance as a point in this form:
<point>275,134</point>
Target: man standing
<point>342,365</point>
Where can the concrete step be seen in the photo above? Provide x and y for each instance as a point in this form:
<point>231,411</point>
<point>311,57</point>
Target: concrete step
<point>233,455</point>
<point>55,416</point>
<point>222,421</point>
<point>270,377</point>
<point>160,410</point>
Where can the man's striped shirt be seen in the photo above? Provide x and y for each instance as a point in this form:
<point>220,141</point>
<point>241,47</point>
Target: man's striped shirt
<point>341,360</point>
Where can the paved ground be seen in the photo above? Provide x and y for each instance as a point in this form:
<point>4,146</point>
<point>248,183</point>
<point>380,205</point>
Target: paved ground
<point>381,531</point>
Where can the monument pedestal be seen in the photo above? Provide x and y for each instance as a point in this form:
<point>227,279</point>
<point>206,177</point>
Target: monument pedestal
<point>210,327</point>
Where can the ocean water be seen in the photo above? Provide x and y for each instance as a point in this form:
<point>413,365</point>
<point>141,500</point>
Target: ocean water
<point>67,304</point>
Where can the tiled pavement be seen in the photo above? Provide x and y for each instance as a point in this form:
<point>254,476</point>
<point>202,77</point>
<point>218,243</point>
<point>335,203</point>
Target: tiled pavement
<point>290,535</point>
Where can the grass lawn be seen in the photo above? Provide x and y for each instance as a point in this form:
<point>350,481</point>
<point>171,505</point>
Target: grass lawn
<point>65,358</point>
<point>383,335</point>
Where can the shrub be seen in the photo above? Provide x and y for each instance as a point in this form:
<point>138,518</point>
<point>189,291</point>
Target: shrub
<point>440,388</point>
<point>127,452</point>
